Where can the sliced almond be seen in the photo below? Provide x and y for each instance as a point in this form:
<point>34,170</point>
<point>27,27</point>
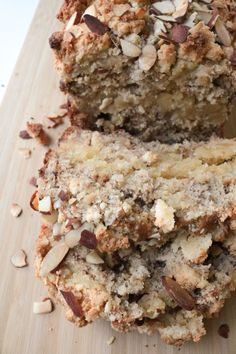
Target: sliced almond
<point>181,9</point>
<point>74,20</point>
<point>45,205</point>
<point>159,27</point>
<point>190,21</point>
<point>72,302</point>
<point>130,49</point>
<point>88,239</point>
<point>120,9</point>
<point>34,201</point>
<point>166,18</point>
<point>222,32</point>
<point>204,16</point>
<point>57,204</point>
<point>95,25</point>
<point>93,258</point>
<point>56,229</point>
<point>179,294</point>
<point>148,57</point>
<point>91,10</point>
<point>19,259</point>
<point>42,307</point>
<point>16,210</point>
<point>26,153</point>
<point>165,7</point>
<point>111,340</point>
<point>53,258</point>
<point>50,218</point>
<point>179,33</point>
<point>213,19</point>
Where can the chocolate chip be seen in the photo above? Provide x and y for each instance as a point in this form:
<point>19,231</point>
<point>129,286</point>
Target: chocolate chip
<point>88,239</point>
<point>223,331</point>
<point>95,25</point>
<point>179,294</point>
<point>179,33</point>
<point>73,303</point>
<point>24,135</point>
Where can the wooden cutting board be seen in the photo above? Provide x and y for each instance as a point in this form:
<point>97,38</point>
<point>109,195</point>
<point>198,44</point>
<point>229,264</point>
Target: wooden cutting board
<point>33,92</point>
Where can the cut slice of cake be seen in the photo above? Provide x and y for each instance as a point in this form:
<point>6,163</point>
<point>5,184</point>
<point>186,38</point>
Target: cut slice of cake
<point>139,234</point>
<point>160,70</point>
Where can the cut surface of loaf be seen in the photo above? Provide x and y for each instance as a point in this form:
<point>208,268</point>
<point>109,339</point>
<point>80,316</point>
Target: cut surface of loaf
<point>139,234</point>
<point>160,70</point>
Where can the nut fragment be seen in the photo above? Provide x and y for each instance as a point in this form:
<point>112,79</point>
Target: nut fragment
<point>53,258</point>
<point>64,196</point>
<point>165,7</point>
<point>45,205</point>
<point>148,57</point>
<point>95,25</point>
<point>73,303</point>
<point>111,340</point>
<point>42,307</point>
<point>181,9</point>
<point>16,210</point>
<point>130,49</point>
<point>34,201</point>
<point>74,20</point>
<point>19,259</point>
<point>120,9</point>
<point>91,10</point>
<point>50,218</point>
<point>93,258</point>
<point>179,294</point>
<point>179,33</point>
<point>26,153</point>
<point>36,131</point>
<point>24,135</point>
<point>222,32</point>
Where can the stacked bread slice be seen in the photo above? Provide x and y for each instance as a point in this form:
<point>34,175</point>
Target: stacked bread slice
<point>136,231</point>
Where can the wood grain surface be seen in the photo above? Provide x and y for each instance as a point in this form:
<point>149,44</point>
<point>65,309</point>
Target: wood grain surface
<point>33,92</point>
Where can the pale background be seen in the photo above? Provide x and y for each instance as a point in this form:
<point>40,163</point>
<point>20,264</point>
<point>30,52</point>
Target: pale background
<point>15,18</point>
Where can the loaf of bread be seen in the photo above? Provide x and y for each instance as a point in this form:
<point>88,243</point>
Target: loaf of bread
<point>139,234</point>
<point>160,70</point>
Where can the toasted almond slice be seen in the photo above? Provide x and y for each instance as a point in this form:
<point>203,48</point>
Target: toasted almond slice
<point>95,25</point>
<point>181,9</point>
<point>73,302</point>
<point>19,259</point>
<point>56,229</point>
<point>190,21</point>
<point>179,294</point>
<point>213,19</point>
<point>205,16</point>
<point>148,57</point>
<point>166,18</point>
<point>45,205</point>
<point>26,153</point>
<point>165,7</point>
<point>93,258</point>
<point>53,258</point>
<point>91,10</point>
<point>50,218</point>
<point>74,20</point>
<point>222,32</point>
<point>111,340</point>
<point>16,210</point>
<point>130,49</point>
<point>120,9</point>
<point>34,201</point>
<point>159,27</point>
<point>179,33</point>
<point>42,307</point>
<point>72,238</point>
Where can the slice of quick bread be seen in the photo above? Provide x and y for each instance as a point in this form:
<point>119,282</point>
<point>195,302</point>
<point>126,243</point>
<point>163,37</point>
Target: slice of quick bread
<point>139,234</point>
<point>160,70</point>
